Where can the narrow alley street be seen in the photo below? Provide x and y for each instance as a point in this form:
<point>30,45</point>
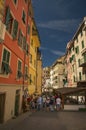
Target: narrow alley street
<point>47,121</point>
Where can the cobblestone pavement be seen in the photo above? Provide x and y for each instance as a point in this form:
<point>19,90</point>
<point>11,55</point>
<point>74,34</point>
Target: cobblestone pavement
<point>47,121</point>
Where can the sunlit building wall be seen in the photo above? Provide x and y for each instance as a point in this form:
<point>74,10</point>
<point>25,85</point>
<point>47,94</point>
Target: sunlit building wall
<point>34,45</point>
<point>76,57</point>
<point>14,58</point>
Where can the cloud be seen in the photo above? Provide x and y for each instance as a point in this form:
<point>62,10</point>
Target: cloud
<point>55,52</point>
<point>67,25</point>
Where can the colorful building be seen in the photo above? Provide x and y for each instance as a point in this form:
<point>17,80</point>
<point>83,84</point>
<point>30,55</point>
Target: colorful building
<point>76,57</point>
<point>57,74</point>
<point>34,45</point>
<point>14,57</point>
<point>39,73</point>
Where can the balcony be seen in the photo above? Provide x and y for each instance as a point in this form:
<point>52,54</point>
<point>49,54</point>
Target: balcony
<point>82,62</point>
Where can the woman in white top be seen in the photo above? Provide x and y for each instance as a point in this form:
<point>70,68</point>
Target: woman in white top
<point>58,103</point>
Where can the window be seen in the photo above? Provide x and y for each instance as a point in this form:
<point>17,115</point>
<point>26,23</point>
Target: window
<point>5,68</point>
<point>20,39</point>
<point>11,24</point>
<point>77,50</point>
<point>15,1</point>
<point>22,42</point>
<point>23,17</point>
<point>74,79</point>
<point>80,76</point>
<point>73,57</point>
<point>78,62</point>
<point>82,44</point>
<point>81,33</point>
<point>30,58</point>
<point>19,73</point>
<point>70,59</point>
<point>30,79</point>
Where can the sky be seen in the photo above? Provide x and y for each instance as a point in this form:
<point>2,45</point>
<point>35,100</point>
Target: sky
<point>57,21</point>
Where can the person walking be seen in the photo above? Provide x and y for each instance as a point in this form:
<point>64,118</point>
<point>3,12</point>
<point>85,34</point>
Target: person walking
<point>58,103</point>
<point>39,103</point>
<point>51,103</point>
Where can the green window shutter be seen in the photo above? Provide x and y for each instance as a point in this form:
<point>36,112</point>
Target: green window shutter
<point>80,76</point>
<point>19,37</point>
<point>82,44</point>
<point>4,54</point>
<point>15,29</point>
<point>77,50</point>
<point>8,16</point>
<point>24,43</point>
<point>8,57</point>
<point>19,65</point>
<point>71,58</point>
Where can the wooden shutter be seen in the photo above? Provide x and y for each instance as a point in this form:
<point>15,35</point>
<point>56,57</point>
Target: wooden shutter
<point>15,29</point>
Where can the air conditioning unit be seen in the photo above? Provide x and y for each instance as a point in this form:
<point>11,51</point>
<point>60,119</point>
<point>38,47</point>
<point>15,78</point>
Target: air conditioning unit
<point>2,31</point>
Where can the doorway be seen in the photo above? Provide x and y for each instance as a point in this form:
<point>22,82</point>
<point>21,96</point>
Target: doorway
<point>2,106</point>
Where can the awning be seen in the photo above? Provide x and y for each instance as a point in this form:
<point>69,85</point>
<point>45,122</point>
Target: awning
<point>71,90</point>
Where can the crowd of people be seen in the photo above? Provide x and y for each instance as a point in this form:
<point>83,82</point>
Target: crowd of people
<point>45,103</point>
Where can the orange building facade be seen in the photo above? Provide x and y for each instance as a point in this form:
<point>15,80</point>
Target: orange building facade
<point>14,57</point>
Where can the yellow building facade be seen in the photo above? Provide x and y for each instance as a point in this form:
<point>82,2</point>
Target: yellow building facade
<point>34,45</point>
<point>1,9</point>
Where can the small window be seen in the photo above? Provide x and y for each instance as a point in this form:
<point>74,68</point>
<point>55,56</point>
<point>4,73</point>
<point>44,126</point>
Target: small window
<point>15,1</point>
<point>23,17</point>
<point>5,68</point>
<point>11,24</point>
<point>74,79</point>
<point>78,62</point>
<point>80,76</point>
<point>82,44</point>
<point>30,58</point>
<point>19,72</point>
<point>20,39</point>
<point>77,50</point>
<point>30,79</point>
